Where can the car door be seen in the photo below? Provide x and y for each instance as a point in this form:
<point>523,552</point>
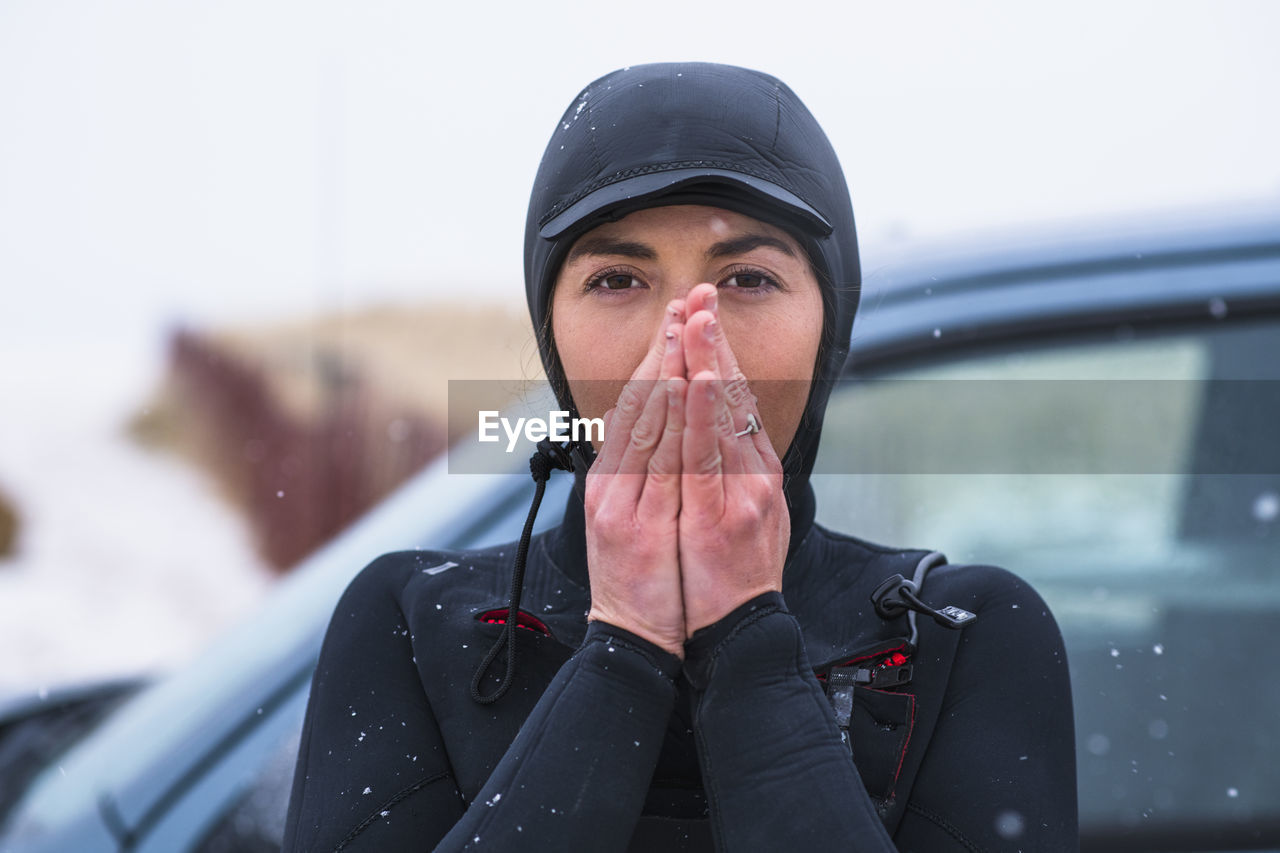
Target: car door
<point>1127,463</point>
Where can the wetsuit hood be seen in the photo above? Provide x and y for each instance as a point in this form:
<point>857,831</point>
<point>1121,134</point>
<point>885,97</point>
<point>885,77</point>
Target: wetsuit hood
<point>697,133</point>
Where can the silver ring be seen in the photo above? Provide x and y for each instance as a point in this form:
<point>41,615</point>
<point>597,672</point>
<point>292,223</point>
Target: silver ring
<point>753,426</point>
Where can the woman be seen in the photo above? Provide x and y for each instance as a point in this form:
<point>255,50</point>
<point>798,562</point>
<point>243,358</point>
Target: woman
<point>744,678</point>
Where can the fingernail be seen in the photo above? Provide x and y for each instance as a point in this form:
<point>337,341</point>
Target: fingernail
<point>710,301</point>
<point>671,341</point>
<point>711,389</point>
<point>709,330</point>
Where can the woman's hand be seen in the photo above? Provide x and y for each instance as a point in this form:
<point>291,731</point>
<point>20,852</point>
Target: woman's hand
<point>633,498</point>
<point>733,525</point>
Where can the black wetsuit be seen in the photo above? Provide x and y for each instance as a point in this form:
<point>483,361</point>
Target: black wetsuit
<point>605,742</point>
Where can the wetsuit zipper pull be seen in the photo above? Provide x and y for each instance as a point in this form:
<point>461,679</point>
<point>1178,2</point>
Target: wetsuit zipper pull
<point>840,683</point>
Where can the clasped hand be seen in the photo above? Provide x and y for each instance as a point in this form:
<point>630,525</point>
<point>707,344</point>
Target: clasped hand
<point>685,520</point>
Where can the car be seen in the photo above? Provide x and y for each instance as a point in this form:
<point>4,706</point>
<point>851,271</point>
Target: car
<point>1094,408</point>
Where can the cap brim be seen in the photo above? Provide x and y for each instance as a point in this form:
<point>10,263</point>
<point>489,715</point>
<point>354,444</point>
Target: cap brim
<point>638,189</point>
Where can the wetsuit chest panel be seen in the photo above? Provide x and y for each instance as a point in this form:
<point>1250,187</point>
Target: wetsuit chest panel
<point>880,729</point>
<point>477,736</point>
<point>671,835</point>
<point>677,792</point>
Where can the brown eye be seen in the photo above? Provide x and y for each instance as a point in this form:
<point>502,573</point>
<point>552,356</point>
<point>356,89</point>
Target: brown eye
<point>748,280</point>
<point>614,281</point>
<point>618,281</point>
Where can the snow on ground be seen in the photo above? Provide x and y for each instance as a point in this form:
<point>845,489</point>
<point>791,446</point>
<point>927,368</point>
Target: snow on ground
<point>128,561</point>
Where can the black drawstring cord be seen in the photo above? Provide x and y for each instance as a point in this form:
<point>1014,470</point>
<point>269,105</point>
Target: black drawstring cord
<point>897,595</point>
<point>547,458</point>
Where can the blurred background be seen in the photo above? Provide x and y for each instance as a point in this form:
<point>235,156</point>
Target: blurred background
<point>244,246</point>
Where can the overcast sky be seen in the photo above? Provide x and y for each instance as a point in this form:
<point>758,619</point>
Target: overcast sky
<point>211,162</point>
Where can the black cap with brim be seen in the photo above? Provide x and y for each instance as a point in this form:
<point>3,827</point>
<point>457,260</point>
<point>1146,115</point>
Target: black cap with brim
<point>714,187</point>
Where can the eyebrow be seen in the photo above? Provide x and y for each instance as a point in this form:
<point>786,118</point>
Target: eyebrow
<point>610,247</point>
<point>746,243</point>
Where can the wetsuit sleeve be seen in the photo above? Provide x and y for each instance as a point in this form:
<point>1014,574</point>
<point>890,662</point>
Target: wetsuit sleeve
<point>372,770</point>
<point>998,773</point>
<point>576,776</point>
<point>776,773</point>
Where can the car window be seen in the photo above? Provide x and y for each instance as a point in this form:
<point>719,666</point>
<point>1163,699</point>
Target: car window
<point>1132,477</point>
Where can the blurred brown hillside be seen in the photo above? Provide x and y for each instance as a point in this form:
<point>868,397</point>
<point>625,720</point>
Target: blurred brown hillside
<point>8,525</point>
<point>307,424</point>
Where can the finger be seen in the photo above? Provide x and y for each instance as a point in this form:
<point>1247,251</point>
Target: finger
<point>649,427</point>
<point>651,364</point>
<point>754,448</point>
<point>742,400</point>
<point>628,482</point>
<point>660,497</point>
<point>701,463</point>
<point>698,354</point>
<point>635,393</point>
<point>673,358</point>
<point>705,297</point>
<point>700,341</point>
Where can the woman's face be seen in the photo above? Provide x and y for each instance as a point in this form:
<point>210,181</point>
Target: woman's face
<point>612,292</point>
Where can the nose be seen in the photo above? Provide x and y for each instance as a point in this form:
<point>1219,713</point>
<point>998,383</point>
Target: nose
<point>683,288</point>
